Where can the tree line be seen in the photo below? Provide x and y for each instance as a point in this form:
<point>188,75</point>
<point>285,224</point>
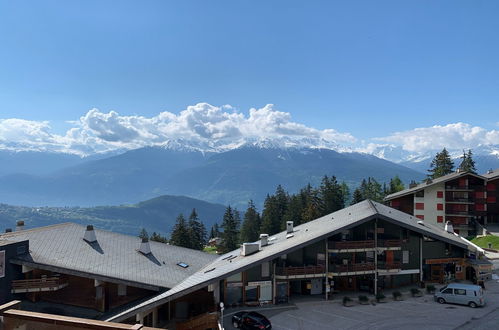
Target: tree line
<point>307,204</point>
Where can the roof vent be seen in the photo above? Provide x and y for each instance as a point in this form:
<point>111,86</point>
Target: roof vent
<point>8,230</point>
<point>448,227</point>
<point>250,248</point>
<point>20,225</point>
<point>90,234</point>
<point>421,223</point>
<point>458,170</point>
<point>145,247</point>
<point>264,239</point>
<point>490,171</point>
<point>289,227</point>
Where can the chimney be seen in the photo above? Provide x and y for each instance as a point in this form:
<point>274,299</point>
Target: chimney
<point>145,247</point>
<point>8,230</point>
<point>289,227</point>
<point>458,170</point>
<point>90,234</point>
<point>249,248</point>
<point>490,171</point>
<point>448,227</point>
<point>412,184</point>
<point>264,239</point>
<point>20,225</point>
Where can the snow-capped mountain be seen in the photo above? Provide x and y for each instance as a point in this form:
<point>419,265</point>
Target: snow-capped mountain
<point>485,156</point>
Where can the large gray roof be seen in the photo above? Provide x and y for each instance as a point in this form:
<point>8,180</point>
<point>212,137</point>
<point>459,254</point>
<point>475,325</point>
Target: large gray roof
<point>492,175</point>
<point>114,258</point>
<point>426,184</point>
<point>279,244</point>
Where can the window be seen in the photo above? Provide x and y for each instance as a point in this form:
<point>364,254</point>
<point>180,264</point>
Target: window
<point>440,207</point>
<point>420,193</point>
<point>480,207</point>
<point>491,187</point>
<point>405,257</point>
<point>460,292</point>
<point>183,264</point>
<point>266,269</point>
<point>419,206</point>
<point>447,291</point>
<point>491,199</point>
<point>420,216</point>
<point>440,194</point>
<point>440,218</point>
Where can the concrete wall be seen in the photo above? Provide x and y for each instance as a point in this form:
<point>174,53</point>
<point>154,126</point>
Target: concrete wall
<point>430,201</point>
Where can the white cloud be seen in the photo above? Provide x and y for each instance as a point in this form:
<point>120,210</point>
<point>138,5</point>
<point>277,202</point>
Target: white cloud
<point>451,136</point>
<point>202,123</point>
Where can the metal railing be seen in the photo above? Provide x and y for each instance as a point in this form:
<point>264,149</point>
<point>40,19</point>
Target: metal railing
<point>305,270</point>
<point>345,245</point>
<point>353,268</point>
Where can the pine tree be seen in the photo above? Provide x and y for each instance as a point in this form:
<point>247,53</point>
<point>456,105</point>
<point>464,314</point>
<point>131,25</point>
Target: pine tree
<point>250,229</point>
<point>441,165</point>
<point>215,232</point>
<point>312,209</point>
<point>396,185</point>
<point>197,232</point>
<point>467,163</point>
<point>270,216</point>
<point>330,196</point>
<point>345,191</point>
<point>158,238</point>
<point>230,232</point>
<point>143,234</point>
<point>180,233</point>
<point>357,196</point>
<point>295,210</point>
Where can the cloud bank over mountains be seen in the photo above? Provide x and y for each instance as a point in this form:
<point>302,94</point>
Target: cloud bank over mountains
<point>207,127</point>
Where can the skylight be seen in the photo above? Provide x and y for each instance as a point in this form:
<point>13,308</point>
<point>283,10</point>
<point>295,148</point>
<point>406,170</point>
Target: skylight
<point>183,264</point>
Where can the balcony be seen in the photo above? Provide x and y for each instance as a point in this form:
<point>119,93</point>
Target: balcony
<point>353,268</point>
<point>39,284</point>
<point>353,246</point>
<point>390,267</point>
<point>301,272</point>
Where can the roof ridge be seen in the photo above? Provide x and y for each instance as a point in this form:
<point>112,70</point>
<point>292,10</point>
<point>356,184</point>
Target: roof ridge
<point>20,232</point>
<point>371,203</point>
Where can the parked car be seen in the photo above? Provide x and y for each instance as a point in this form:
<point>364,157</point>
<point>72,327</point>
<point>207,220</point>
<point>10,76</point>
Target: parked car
<point>250,320</point>
<point>464,294</point>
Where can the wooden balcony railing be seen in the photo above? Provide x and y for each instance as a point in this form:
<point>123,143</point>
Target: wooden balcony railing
<point>394,265</point>
<point>390,243</point>
<point>353,268</point>
<point>306,270</point>
<point>345,245</point>
<point>39,284</point>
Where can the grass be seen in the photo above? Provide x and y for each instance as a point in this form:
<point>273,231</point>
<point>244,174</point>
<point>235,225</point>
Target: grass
<point>210,249</point>
<point>483,241</point>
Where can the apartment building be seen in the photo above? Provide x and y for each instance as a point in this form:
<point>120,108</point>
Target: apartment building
<point>466,200</point>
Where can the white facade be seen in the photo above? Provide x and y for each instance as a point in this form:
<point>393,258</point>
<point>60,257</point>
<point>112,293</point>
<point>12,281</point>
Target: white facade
<point>430,202</point>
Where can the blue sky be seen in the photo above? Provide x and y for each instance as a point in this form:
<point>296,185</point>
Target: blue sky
<point>369,68</point>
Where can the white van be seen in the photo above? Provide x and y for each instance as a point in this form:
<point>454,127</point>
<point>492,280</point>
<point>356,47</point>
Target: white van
<point>464,294</point>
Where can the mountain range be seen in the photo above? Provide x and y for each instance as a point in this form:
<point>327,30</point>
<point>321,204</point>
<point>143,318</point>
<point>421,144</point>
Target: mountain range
<point>235,176</point>
<point>155,215</point>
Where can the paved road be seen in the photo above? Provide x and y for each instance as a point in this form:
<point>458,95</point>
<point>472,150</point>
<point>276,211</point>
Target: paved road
<point>412,313</point>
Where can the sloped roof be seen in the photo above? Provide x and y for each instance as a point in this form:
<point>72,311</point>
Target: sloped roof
<point>427,184</point>
<point>113,258</point>
<point>492,175</point>
<point>279,244</point>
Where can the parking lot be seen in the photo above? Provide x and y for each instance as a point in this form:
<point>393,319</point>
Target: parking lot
<point>411,313</point>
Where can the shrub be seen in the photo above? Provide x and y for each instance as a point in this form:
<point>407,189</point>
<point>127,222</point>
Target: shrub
<point>346,300</point>
<point>363,299</point>
<point>415,292</point>
<point>396,295</point>
<point>430,288</point>
<point>380,296</point>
